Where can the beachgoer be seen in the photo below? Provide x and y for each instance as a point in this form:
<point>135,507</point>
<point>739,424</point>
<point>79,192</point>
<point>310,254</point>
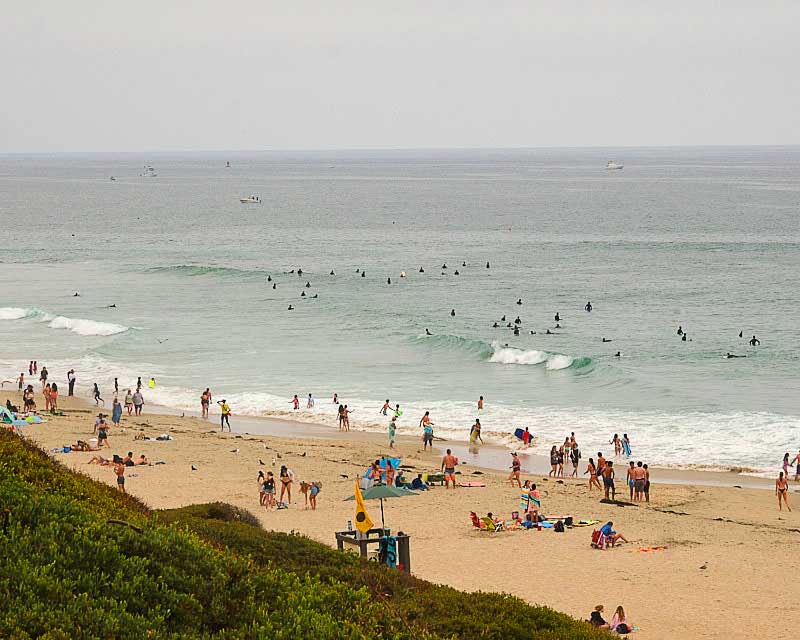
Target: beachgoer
<point>592,471</point>
<point>526,437</point>
<point>143,460</point>
<point>680,330</point>
<point>341,417</point>
<point>797,467</point>
<point>346,417</point>
<point>269,491</point>
<point>392,432</point>
<point>449,462</point>
<point>626,445</point>
<point>313,492</point>
<point>21,381</point>
<point>418,484</point>
<point>575,458</point>
<point>335,398</point>
<point>782,491</point>
<point>310,402</point>
<point>225,415</point>
<point>617,444</point>
<point>516,467</point>
<point>128,460</point>
<point>596,618</point>
<point>629,478</point>
<point>46,394</point>
<point>205,400</point>
<point>389,473</point>
<point>116,413</point>
<point>612,536</point>
<point>116,386</point>
<point>385,408</point>
<point>138,403</point>
<point>588,306</point>
<point>754,341</point>
<point>97,398</point>
<point>646,483</point>
<point>553,461</point>
<point>102,431</point>
<point>475,432</point>
<point>639,480</point>
<point>397,412</point>
<point>295,402</point>
<point>119,470</point>
<point>786,464</point>
<point>71,382</point>
<point>427,436</point>
<point>608,480</point>
<point>480,403</point>
<point>262,495</point>
<point>619,624</point>
<point>129,402</point>
<point>286,478</point>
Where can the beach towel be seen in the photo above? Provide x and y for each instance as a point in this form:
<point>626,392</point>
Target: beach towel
<point>585,523</point>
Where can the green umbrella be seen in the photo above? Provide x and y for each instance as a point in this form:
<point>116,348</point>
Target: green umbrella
<point>381,491</point>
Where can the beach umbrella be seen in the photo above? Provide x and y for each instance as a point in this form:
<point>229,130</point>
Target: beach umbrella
<point>381,492</point>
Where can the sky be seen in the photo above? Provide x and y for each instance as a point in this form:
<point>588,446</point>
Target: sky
<point>181,75</point>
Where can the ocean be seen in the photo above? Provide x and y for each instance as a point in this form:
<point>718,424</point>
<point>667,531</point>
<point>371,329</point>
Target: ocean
<point>703,238</point>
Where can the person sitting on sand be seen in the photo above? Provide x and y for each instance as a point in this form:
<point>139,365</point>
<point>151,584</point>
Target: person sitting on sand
<point>611,536</point>
<point>619,622</point>
<point>140,436</point>
<point>596,618</point>
<point>417,484</point>
<point>143,460</point>
<point>128,460</point>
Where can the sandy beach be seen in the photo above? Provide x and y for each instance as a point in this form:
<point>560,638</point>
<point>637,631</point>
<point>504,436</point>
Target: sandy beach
<point>730,555</point>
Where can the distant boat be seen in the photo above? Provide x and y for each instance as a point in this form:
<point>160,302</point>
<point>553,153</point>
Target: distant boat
<point>149,172</point>
<point>611,165</point>
<point>250,200</point>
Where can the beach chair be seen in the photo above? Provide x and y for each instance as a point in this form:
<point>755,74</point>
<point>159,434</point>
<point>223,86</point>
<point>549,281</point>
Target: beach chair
<point>491,525</point>
<point>599,541</point>
<point>476,521</point>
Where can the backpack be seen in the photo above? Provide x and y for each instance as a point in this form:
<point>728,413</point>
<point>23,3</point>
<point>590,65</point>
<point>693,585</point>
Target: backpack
<point>559,527</point>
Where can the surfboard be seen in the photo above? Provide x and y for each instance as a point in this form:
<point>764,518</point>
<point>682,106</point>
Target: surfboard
<point>519,433</point>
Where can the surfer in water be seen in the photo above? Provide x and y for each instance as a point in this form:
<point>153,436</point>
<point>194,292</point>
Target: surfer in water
<point>588,306</point>
<point>428,333</point>
<point>733,355</point>
<point>607,340</point>
<point>453,313</point>
<point>680,330</point>
<point>557,317</point>
<point>754,341</point>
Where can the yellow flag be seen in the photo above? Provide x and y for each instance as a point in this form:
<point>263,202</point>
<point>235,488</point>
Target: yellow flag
<point>363,521</point>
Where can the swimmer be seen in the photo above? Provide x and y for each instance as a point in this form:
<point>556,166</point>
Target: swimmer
<point>754,341</point>
<point>503,319</point>
<point>269,278</point>
<point>464,264</point>
<point>388,281</point>
<point>358,270</point>
<point>274,285</point>
<point>76,295</point>
<point>495,326</point>
<point>480,403</point>
<point>316,295</point>
<point>683,337</point>
<point>617,355</point>
<point>444,266</point>
<point>363,274</point>
<point>607,340</point>
<point>302,294</point>
<point>516,331</point>
<point>519,301</point>
<point>533,333</point>
<point>308,285</point>
<point>290,308</point>
<point>299,272</point>
<point>427,332</point>
<point>588,306</point>
<point>509,325</point>
<point>453,312</point>
<point>331,273</point>
<point>549,333</point>
<point>733,355</point>
<point>385,408</point>
<point>558,326</point>
<point>402,274</point>
<point>421,270</point>
<point>475,432</point>
<point>557,317</point>
<point>487,265</point>
<point>112,306</point>
<point>740,333</point>
<point>680,330</point>
<point>456,273</point>
<point>517,320</point>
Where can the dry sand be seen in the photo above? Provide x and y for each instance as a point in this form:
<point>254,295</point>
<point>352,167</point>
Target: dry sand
<point>728,570</point>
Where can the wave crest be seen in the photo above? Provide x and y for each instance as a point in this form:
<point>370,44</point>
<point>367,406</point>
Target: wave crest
<point>193,270</point>
<point>14,313</point>
<point>86,327</point>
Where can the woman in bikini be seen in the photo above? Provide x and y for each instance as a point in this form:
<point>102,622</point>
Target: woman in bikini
<point>53,398</point>
<point>782,491</point>
<point>286,485</point>
<point>592,471</point>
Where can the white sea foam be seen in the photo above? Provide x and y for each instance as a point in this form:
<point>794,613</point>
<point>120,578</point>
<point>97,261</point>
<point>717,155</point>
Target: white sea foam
<point>557,361</point>
<point>509,355</point>
<point>85,327</point>
<point>13,313</point>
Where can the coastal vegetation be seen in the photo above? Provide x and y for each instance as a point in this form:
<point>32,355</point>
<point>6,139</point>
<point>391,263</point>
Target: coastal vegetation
<point>80,559</point>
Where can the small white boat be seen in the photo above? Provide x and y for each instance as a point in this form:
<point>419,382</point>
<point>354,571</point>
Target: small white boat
<point>611,165</point>
<point>250,200</point>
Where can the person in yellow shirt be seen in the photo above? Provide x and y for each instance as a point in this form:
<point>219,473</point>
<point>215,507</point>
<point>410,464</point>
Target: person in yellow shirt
<point>224,417</point>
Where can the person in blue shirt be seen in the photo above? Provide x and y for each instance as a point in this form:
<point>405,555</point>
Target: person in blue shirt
<point>612,536</point>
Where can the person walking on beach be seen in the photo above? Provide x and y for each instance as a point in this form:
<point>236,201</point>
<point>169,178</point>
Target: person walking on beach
<point>797,467</point>
<point>392,431</point>
<point>553,461</point>
<point>575,458</point>
<point>138,402</point>
<point>646,483</point>
<point>592,471</point>
<point>629,478</point>
<point>782,491</point>
<point>427,436</point>
<point>516,467</point>
<point>449,462</point>
<point>43,377</point>
<point>786,464</point>
<point>269,490</point>
<point>129,402</point>
<point>101,427</point>
<point>225,413</point>
<point>97,398</point>
<point>205,400</point>
<point>608,480</point>
<point>71,382</point>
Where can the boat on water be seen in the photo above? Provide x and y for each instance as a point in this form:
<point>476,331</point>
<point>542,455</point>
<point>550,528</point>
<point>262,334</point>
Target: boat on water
<point>148,172</point>
<point>250,200</point>
<point>611,165</point>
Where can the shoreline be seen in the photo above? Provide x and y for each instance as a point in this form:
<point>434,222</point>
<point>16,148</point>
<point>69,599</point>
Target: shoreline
<point>655,576</point>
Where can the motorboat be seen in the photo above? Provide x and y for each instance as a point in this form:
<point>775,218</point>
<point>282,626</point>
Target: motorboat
<point>611,165</point>
<point>250,200</point>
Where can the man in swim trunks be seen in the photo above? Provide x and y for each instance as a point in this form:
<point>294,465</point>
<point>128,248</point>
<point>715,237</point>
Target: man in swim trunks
<point>639,479</point>
<point>449,463</point>
<point>608,480</point>
<point>119,470</point>
<point>629,478</point>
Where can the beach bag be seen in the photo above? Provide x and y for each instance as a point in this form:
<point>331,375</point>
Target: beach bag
<point>559,527</point>
<point>568,521</point>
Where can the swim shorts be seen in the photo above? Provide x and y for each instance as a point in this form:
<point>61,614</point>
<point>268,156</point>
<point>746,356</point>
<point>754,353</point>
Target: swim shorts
<point>608,482</point>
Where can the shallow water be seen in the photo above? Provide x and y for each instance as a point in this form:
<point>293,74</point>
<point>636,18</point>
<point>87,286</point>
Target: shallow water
<point>703,238</point>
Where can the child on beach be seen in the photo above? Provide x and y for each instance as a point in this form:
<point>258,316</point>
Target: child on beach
<point>295,402</point>
<point>392,431</point>
<point>269,490</point>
